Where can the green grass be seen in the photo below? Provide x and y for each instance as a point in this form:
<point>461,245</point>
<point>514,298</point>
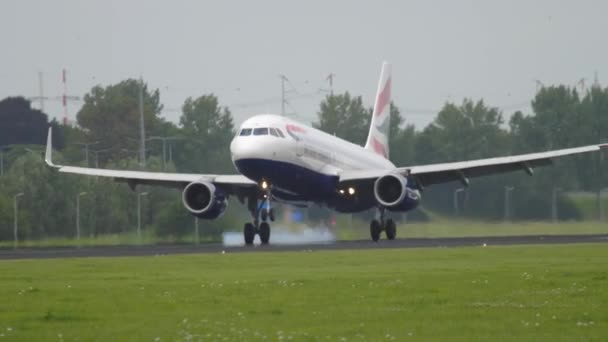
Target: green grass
<point>460,228</point>
<point>346,229</point>
<point>586,203</point>
<point>128,238</point>
<point>515,293</point>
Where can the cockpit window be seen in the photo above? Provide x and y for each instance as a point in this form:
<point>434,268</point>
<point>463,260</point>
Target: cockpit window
<point>245,131</point>
<point>273,132</point>
<point>260,131</point>
<point>280,133</point>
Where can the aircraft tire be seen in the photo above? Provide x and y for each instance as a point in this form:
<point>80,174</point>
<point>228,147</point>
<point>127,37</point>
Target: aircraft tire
<point>264,214</point>
<point>375,229</point>
<point>271,214</point>
<point>249,233</point>
<point>391,229</point>
<point>264,233</point>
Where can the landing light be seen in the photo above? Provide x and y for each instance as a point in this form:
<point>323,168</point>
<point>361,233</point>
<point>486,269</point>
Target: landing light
<point>264,185</point>
<point>351,191</point>
<point>342,191</point>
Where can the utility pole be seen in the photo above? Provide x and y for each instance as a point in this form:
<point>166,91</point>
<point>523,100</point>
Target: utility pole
<point>139,195</point>
<point>65,97</point>
<point>508,190</point>
<point>40,98</point>
<point>97,152</point>
<point>141,124</point>
<point>456,192</point>
<point>16,223</point>
<point>539,85</point>
<point>581,83</point>
<point>196,235</point>
<point>41,90</point>
<point>602,214</point>
<point>554,212</point>
<point>86,150</point>
<point>2,160</point>
<point>330,80</point>
<point>164,141</point>
<point>64,100</point>
<point>170,153</point>
<point>78,214</point>
<point>283,100</point>
<point>135,153</point>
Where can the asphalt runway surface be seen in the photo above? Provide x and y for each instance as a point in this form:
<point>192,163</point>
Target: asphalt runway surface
<point>155,250</point>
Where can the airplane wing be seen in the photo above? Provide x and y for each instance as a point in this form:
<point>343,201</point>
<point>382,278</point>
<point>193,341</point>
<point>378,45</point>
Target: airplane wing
<point>232,183</point>
<point>430,174</point>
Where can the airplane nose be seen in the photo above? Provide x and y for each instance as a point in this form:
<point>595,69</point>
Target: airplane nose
<point>234,149</point>
<point>240,148</point>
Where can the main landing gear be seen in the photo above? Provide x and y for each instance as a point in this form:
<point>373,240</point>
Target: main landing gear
<point>261,228</point>
<point>377,226</point>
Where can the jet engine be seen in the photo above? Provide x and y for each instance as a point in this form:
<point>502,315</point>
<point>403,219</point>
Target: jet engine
<point>391,192</point>
<point>204,200</point>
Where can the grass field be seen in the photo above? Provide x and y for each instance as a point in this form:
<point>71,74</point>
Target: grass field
<point>346,229</point>
<point>528,293</point>
<point>458,228</point>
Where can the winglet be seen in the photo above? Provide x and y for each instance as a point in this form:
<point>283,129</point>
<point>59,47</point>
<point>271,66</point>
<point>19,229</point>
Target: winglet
<point>48,156</point>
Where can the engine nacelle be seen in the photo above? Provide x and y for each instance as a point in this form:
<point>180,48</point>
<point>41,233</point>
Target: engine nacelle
<point>204,200</point>
<point>391,192</point>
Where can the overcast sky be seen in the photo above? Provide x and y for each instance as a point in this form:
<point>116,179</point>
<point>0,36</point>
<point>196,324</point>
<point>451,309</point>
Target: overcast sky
<point>440,50</point>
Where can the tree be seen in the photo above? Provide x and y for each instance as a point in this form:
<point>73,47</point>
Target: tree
<point>20,124</point>
<point>466,132</point>
<point>592,168</point>
<point>208,128</point>
<point>345,117</point>
<point>401,140</point>
<point>557,114</point>
<point>557,123</point>
<point>111,115</point>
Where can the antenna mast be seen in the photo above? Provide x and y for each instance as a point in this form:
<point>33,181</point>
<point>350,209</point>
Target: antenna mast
<point>283,100</point>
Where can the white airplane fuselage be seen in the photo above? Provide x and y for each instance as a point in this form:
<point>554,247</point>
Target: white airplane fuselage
<point>301,163</point>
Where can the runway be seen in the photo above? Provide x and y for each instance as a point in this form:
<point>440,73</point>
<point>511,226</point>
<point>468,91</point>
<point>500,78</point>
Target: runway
<point>155,250</point>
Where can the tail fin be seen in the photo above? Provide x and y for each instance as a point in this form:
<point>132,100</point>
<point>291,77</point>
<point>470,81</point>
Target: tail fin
<point>377,139</point>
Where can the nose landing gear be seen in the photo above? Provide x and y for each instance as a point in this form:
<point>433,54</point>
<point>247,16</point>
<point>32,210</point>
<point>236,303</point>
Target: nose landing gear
<point>259,212</point>
<point>377,226</point>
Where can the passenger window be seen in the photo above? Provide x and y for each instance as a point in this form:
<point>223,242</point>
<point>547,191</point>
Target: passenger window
<point>245,131</point>
<point>280,133</point>
<point>273,132</point>
<point>260,131</point>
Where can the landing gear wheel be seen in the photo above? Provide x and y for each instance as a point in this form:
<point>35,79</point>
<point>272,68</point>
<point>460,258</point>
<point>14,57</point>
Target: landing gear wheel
<point>375,229</point>
<point>391,229</point>
<point>249,233</point>
<point>264,214</point>
<point>264,232</point>
<point>271,214</point>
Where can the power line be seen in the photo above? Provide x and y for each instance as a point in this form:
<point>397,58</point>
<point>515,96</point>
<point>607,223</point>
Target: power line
<point>64,98</point>
<point>40,98</point>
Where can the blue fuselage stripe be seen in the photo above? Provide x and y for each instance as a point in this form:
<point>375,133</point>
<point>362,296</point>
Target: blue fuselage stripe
<point>307,184</point>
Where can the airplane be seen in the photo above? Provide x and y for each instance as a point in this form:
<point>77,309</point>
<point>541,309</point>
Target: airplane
<point>282,160</point>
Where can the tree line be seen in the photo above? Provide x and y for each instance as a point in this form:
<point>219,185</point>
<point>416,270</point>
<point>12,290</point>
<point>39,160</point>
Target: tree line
<point>106,135</point>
